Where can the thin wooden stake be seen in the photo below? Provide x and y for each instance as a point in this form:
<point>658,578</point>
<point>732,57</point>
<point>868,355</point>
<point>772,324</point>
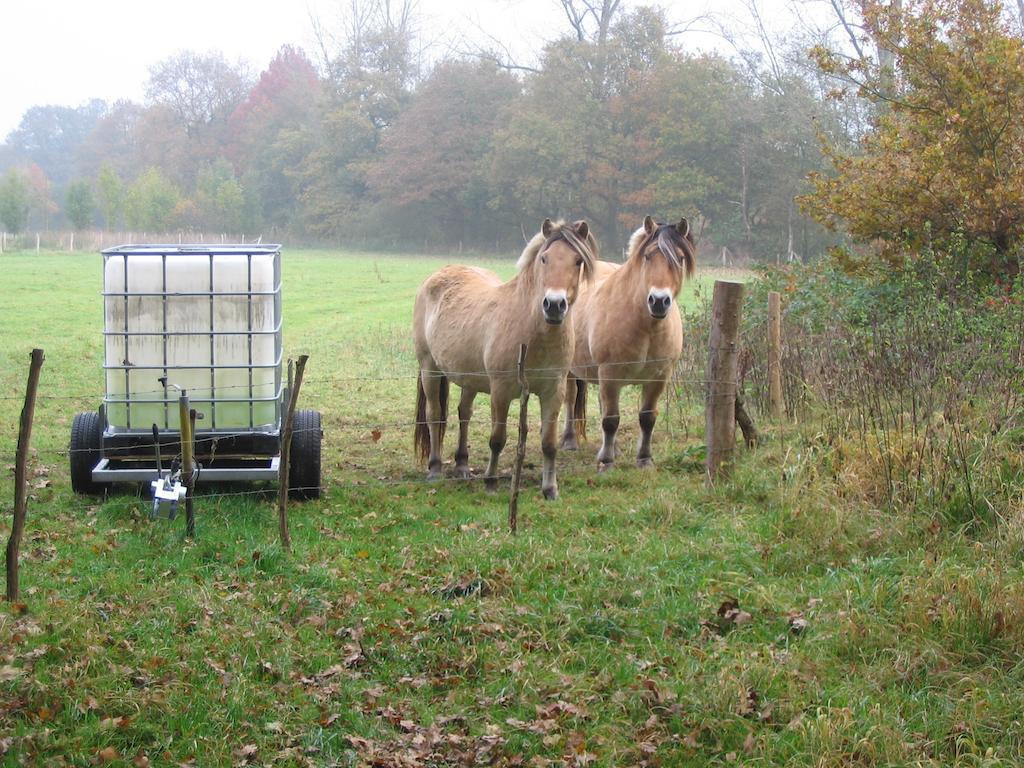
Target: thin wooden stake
<point>286,450</point>
<point>723,359</point>
<point>775,355</point>
<point>186,427</point>
<point>517,468</point>
<point>747,426</point>
<point>21,474</point>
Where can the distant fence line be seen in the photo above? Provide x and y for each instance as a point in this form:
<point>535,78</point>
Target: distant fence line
<point>98,239</point>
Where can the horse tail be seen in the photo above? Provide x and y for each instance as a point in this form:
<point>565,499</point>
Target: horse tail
<point>421,435</point>
<point>579,410</point>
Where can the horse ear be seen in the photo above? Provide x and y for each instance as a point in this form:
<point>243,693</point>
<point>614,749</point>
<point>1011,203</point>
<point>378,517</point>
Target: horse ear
<point>581,229</point>
<point>649,224</point>
<point>683,227</point>
<point>547,228</point>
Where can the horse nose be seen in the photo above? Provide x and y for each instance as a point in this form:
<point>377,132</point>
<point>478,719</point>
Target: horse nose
<point>659,303</point>
<point>555,306</point>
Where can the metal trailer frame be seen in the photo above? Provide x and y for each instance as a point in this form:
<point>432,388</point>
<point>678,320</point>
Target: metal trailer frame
<point>128,454</point>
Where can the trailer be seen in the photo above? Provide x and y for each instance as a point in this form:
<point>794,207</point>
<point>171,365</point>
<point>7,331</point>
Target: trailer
<point>205,320</point>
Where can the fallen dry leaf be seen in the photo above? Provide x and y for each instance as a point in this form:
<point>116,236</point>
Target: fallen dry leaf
<point>7,672</point>
<point>108,755</point>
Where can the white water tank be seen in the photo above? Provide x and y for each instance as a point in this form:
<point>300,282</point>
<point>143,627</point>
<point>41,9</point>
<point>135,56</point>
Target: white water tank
<point>204,318</point>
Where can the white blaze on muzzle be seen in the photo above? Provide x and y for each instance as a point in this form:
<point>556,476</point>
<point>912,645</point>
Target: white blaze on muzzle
<point>659,301</point>
<point>555,305</point>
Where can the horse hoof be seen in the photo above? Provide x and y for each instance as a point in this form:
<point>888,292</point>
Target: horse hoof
<point>463,473</point>
<point>647,463</point>
<point>491,485</point>
<point>433,475</point>
<point>604,466</point>
<point>569,445</point>
<point>550,493</point>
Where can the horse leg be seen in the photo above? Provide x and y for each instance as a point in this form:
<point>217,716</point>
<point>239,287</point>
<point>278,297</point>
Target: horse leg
<point>432,388</point>
<point>548,442</point>
<point>648,415</point>
<point>569,442</point>
<point>609,419</point>
<point>462,470</point>
<point>500,401</point>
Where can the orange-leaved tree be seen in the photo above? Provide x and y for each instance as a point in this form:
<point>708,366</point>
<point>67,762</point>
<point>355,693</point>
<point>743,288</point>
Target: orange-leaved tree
<point>945,155</point>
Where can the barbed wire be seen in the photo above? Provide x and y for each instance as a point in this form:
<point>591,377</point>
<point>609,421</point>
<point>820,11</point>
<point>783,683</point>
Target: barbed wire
<point>532,375</point>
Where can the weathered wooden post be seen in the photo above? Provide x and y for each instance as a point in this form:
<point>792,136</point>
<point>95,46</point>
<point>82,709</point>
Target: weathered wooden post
<point>286,450</point>
<point>186,424</point>
<point>720,403</point>
<point>517,468</point>
<point>775,355</point>
<point>21,475</point>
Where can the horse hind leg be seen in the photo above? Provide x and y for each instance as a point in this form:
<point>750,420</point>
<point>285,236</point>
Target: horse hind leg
<point>435,390</point>
<point>648,415</point>
<point>462,470</point>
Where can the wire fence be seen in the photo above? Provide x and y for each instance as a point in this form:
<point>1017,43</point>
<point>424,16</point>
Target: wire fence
<point>371,424</point>
<point>532,375</point>
<point>357,475</point>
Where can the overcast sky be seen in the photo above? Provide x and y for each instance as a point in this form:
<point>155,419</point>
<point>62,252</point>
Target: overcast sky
<point>64,52</point>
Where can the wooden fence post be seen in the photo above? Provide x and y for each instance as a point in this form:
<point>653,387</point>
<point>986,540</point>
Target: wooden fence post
<point>720,402</point>
<point>517,468</point>
<point>286,451</point>
<point>775,355</point>
<point>21,475</point>
<point>186,431</point>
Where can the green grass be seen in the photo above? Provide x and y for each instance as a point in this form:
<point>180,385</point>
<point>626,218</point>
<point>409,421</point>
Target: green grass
<point>408,622</point>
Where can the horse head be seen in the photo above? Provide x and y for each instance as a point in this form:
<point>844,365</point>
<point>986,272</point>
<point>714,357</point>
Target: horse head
<point>663,254</point>
<point>556,259</point>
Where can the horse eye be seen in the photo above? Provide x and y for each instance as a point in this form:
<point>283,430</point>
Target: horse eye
<point>579,262</point>
<point>543,259</point>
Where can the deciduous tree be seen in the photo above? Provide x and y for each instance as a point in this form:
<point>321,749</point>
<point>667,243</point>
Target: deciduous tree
<point>945,159</point>
<point>79,205</point>
<point>151,202</point>
<point>14,198</point>
<point>111,193</point>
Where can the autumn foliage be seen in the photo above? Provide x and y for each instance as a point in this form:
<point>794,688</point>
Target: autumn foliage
<point>945,156</point>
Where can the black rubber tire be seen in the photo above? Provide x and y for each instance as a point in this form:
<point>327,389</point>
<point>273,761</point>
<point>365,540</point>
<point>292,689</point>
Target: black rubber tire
<point>304,465</point>
<point>85,452</point>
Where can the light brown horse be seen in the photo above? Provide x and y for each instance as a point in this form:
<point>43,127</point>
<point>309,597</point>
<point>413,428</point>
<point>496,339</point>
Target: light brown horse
<point>629,332</point>
<point>468,326</point>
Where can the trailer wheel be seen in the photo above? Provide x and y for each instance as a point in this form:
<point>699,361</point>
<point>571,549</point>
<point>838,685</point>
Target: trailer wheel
<point>304,465</point>
<point>85,453</point>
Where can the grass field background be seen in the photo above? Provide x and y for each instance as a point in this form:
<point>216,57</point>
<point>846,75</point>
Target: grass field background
<point>640,619</point>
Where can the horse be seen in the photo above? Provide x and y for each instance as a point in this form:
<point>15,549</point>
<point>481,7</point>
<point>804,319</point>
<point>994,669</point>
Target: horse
<point>467,328</point>
<point>627,332</point>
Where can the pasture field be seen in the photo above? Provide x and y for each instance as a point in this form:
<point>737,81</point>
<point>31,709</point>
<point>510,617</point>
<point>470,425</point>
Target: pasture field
<point>639,620</point>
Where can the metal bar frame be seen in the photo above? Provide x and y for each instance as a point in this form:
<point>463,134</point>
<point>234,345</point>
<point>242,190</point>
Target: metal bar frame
<point>267,469</point>
<point>166,253</point>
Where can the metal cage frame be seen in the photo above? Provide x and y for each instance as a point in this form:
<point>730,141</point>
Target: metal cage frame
<point>128,453</point>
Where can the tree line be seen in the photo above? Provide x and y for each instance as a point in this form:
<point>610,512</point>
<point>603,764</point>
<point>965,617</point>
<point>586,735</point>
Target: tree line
<point>360,144</point>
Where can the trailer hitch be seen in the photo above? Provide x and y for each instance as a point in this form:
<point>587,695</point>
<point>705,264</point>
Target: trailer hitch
<point>167,491</point>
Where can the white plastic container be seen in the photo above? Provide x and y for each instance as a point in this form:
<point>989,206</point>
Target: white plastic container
<point>205,318</point>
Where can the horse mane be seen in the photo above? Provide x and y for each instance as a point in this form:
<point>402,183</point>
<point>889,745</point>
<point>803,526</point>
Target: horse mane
<point>668,239</point>
<point>586,247</point>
